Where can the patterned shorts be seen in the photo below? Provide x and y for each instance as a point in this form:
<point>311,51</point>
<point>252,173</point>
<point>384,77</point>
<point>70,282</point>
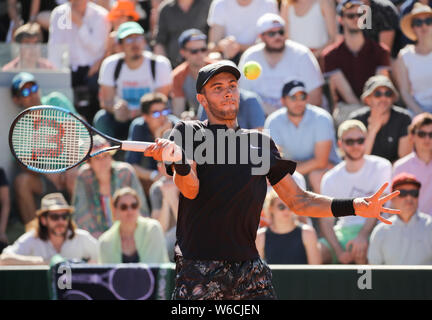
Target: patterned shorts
<point>222,280</point>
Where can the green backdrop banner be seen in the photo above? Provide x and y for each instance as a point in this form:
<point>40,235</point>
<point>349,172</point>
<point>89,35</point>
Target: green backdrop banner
<point>291,282</point>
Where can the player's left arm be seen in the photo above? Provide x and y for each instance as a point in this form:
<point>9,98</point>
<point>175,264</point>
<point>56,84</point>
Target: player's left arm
<point>306,203</point>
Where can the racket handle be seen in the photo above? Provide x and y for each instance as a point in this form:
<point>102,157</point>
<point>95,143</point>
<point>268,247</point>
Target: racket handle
<point>138,146</point>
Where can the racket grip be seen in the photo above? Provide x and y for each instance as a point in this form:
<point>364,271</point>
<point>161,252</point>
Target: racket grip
<point>138,146</point>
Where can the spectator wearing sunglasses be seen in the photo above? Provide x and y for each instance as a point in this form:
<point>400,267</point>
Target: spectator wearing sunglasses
<point>125,77</point>
<point>280,60</point>
<point>419,162</point>
<point>30,186</point>
<point>413,68</point>
<point>25,92</point>
<point>387,124</point>
<point>193,49</point>
<point>408,240</point>
<point>132,238</point>
<point>349,62</point>
<point>357,176</point>
<point>156,118</point>
<point>286,240</point>
<point>55,233</point>
<point>29,39</point>
<point>305,133</point>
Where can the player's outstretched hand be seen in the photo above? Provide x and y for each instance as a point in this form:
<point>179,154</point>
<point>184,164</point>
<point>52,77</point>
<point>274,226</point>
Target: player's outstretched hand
<point>371,207</point>
<point>164,150</point>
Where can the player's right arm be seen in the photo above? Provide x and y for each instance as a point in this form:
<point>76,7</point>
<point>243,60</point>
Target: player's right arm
<point>167,150</point>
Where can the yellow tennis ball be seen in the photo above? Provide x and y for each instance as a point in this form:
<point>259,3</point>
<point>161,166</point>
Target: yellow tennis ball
<point>252,70</point>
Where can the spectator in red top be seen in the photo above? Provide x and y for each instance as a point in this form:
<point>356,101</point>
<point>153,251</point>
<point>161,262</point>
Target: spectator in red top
<point>351,61</point>
<point>193,48</point>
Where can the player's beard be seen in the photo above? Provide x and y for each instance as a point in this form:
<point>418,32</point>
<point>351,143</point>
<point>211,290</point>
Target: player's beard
<point>230,114</point>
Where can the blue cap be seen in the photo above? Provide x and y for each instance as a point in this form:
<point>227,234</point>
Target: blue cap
<point>342,4</point>
<point>292,87</point>
<point>21,79</point>
<point>190,35</point>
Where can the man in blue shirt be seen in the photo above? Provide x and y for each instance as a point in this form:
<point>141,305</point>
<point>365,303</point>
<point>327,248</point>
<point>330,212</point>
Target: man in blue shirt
<point>305,133</point>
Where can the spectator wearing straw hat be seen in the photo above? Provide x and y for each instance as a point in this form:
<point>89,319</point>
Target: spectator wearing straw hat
<point>413,68</point>
<point>408,240</point>
<point>56,233</point>
<point>387,124</point>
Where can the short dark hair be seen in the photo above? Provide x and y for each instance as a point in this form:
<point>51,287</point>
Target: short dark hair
<point>150,99</point>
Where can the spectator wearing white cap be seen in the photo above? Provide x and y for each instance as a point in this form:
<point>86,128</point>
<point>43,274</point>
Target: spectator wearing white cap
<point>281,60</point>
<point>233,25</point>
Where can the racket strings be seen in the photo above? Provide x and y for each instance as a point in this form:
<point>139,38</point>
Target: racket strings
<point>50,139</point>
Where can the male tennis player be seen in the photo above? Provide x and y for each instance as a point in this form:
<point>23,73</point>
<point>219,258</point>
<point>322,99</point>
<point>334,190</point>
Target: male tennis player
<point>221,199</point>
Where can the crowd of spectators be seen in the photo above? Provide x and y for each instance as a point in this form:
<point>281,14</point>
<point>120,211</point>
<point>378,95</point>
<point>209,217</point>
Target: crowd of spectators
<point>345,91</point>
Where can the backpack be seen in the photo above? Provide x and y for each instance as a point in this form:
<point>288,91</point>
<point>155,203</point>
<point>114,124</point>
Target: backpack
<point>120,64</point>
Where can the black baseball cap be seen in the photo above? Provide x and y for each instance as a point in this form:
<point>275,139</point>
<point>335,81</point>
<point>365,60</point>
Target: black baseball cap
<point>210,70</point>
<point>292,87</point>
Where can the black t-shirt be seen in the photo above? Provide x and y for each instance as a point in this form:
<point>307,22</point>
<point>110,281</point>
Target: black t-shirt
<point>387,139</point>
<point>222,221</point>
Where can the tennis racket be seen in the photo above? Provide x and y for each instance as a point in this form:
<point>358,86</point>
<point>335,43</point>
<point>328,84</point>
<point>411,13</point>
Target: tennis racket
<point>125,283</point>
<point>50,139</point>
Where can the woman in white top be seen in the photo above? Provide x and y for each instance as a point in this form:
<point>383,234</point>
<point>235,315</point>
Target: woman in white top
<point>413,67</point>
<point>310,22</point>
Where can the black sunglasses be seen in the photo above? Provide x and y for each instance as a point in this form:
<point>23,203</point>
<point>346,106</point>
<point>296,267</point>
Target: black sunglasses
<point>423,134</point>
<point>271,34</point>
<point>416,22</point>
<point>351,142</point>
<point>27,91</point>
<point>404,193</point>
<point>124,207</point>
<point>353,15</point>
<point>58,216</point>
<point>379,93</point>
<point>195,51</point>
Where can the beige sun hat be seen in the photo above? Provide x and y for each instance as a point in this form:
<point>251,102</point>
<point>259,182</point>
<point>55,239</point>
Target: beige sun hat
<point>378,81</point>
<point>406,21</point>
<point>53,202</point>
